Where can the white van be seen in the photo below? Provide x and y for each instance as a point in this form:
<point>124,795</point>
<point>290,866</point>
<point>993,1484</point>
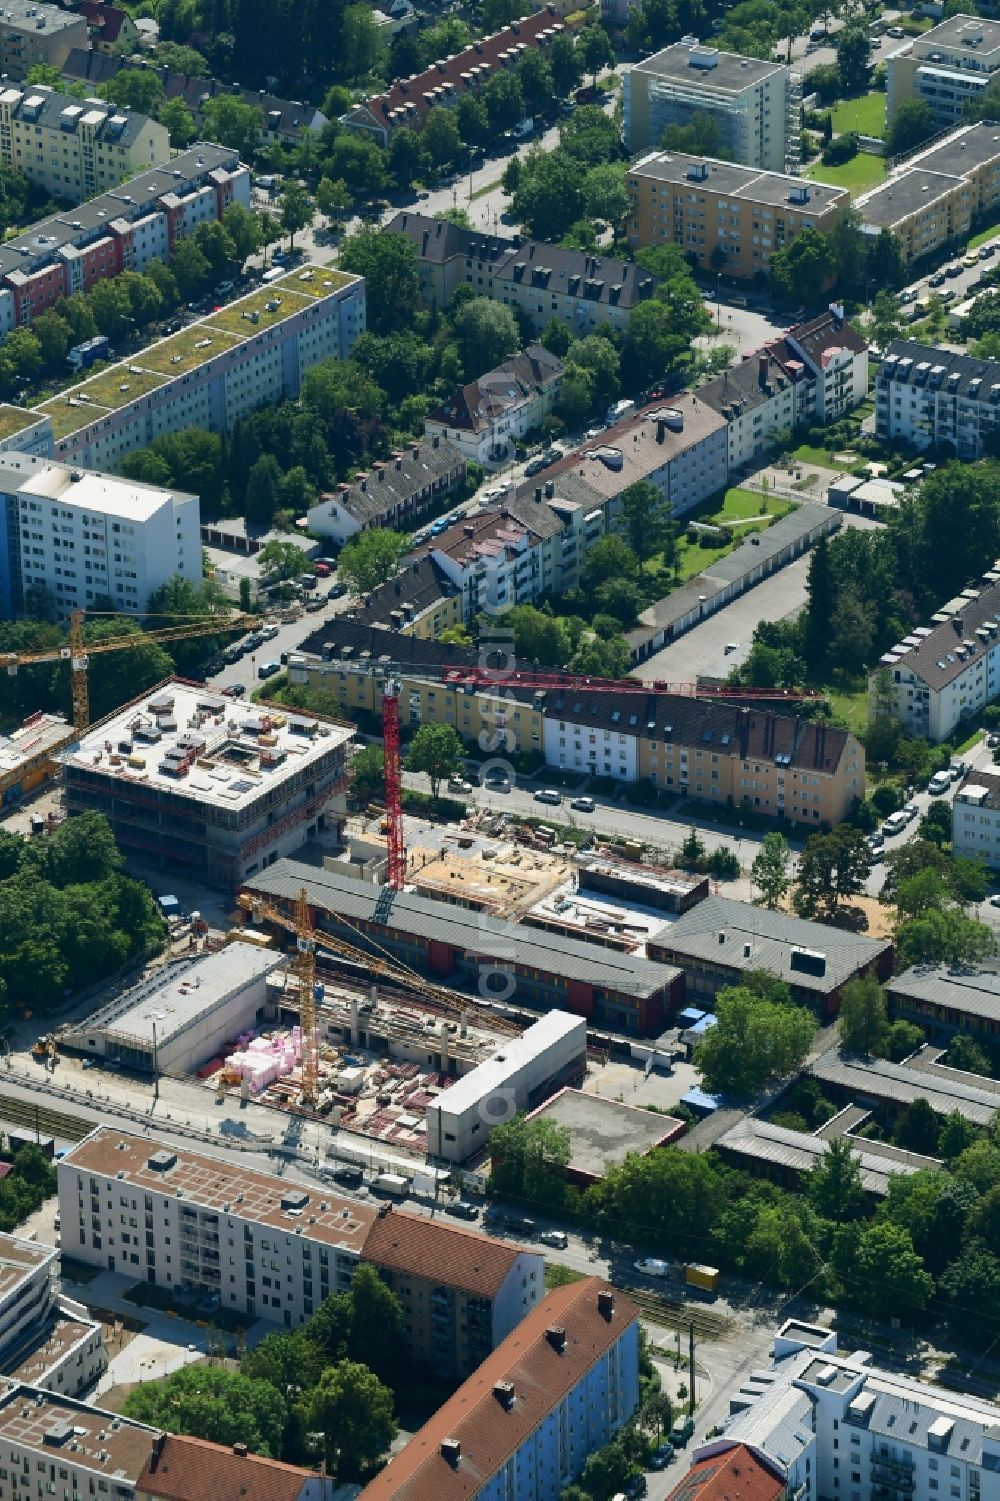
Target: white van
<point>939,782</point>
<point>895,823</point>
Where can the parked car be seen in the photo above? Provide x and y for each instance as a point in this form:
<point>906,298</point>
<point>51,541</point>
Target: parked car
<point>313,605</point>
<point>548,795</point>
<point>520,1223</point>
<point>535,466</point>
<point>911,810</point>
<point>994,902</point>
<point>234,690</point>
<point>986,252</point>
<point>459,784</point>
<point>460,1209</point>
<point>268,669</point>
<point>651,1266</point>
<point>322,569</point>
<point>937,280</point>
<point>337,591</point>
<point>583,804</point>
<point>661,1457</point>
<point>907,295</point>
<point>948,296</point>
<point>350,1177</point>
<point>955,269</point>
<point>497,782</point>
<point>992,741</point>
<point>558,1239</point>
<point>270,630</point>
<point>635,1488</point>
<point>939,782</point>
<point>896,32</point>
<point>895,824</point>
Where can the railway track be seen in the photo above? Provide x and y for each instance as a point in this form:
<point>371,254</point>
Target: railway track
<point>671,1314</point>
<point>48,1122</point>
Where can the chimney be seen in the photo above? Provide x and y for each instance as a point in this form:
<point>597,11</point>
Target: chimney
<point>661,429</point>
<point>556,1336</point>
<point>762,370</point>
<point>606,1303</point>
<point>241,1450</point>
<point>451,1450</point>
<point>538,493</point>
<point>399,463</point>
<point>550,489</point>
<point>436,440</point>
<point>469,531</point>
<point>959,625</point>
<point>415,450</point>
<point>504,1393</point>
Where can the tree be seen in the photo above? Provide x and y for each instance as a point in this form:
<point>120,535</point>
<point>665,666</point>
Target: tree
<point>361,163</point>
<point>436,750</point>
<point>110,305</point>
<point>367,775</point>
<point>565,65</point>
<point>832,867</point>
<point>354,1412</point>
<point>53,334</point>
<point>943,936</point>
<point>333,196</point>
<point>970,1286</point>
<point>538,636</point>
<point>834,1184</point>
<point>362,49</point>
<point>852,636</point>
<point>227,120</point>
<point>594,50</point>
<point>966,1054</point>
<point>863,1015</point>
<point>296,209</point>
<point>263,495</point>
<point>288,1359</point>
<point>854,57</point>
<point>529,1160</point>
<point>213,1403</point>
<point>138,89</point>
<point>548,197</point>
<point>886,320</point>
<point>912,124</point>
<point>189,265</point>
<point>801,271</point>
<point>503,98</point>
<point>610,558</point>
<point>820,596</point>
<point>388,262</point>
<point>701,136</point>
<point>281,560</point>
<point>955,1134</point>
<point>535,77</point>
<point>81,850</point>
<point>371,557</point>
<point>605,195</point>
<point>881,1270</point>
<point>885,261</point>
<point>606,1472</point>
<point>917,1129</point>
<point>486,333</point>
<point>658,339</point>
<point>243,230</point>
<point>180,123</point>
<point>770,869</point>
<point>268,229</point>
<point>753,1041</point>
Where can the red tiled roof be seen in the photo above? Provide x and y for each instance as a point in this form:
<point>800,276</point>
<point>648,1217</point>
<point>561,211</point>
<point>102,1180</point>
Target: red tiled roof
<point>735,1475</point>
<point>190,1469</point>
<point>490,1431</point>
<point>108,18</point>
<point>418,1247</point>
<point>449,71</point>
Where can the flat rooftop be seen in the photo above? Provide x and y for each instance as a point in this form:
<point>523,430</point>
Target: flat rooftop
<point>86,490</point>
<point>514,1054</point>
<point>965,149</point>
<point>20,1259</point>
<point>40,737</point>
<point>223,1185</point>
<point>707,174</point>
<point>169,1002</point>
<point>198,744</point>
<point>762,1141</point>
<point>603,1132</point>
<point>47,1424</point>
<point>971,990</point>
<point>705,66</point>
<point>904,196</point>
<point>53,1343</point>
<point>14,419</point>
<point>945,1090</point>
<point>181,353</point>
<point>956,30</point>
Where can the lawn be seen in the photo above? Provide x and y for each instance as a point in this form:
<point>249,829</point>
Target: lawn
<point>806,453</point>
<point>737,505</point>
<point>991,233</point>
<point>850,707</point>
<point>865,115</point>
<point>858,175</point>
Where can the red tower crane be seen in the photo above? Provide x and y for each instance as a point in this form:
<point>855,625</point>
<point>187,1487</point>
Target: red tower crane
<point>479,677</point>
<point>393,783</point>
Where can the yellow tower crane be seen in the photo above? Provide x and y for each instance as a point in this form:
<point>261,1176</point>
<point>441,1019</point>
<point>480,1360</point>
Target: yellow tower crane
<point>303,966</point>
<point>79,652</point>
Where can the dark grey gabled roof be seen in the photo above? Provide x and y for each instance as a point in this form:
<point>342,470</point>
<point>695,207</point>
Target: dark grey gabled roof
<point>972,989</point>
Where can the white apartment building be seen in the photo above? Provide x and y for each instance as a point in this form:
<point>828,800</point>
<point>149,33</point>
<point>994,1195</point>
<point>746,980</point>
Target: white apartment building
<point>270,1249</point>
<point>947,66</point>
<point>975,820</point>
<point>754,104</point>
<point>44,1338</point>
<point>837,1426</point>
<point>84,537</point>
<point>931,398</point>
<point>484,419</point>
<point>947,671</point>
<point>76,148</point>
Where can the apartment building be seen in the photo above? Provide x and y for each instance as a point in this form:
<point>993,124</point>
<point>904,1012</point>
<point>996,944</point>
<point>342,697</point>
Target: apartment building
<point>110,27</point>
<point>681,448</point>
<point>396,492</point>
<point>76,148</point>
<point>33,33</point>
<point>754,104</point>
<point>409,100</point>
<point>285,122</point>
<point>948,67</point>
<point>251,353</point>
<point>122,229</point>
<point>53,1445</point>
<point>198,786</point>
<point>485,418</point>
<point>83,537</point>
<point>931,398</point>
<point>712,208</point>
<point>44,1338</point>
<point>975,820</point>
<point>719,940</point>
<point>944,672</point>
<point>559,1388</point>
<point>582,290</point>
<point>839,1425</point>
<point>933,200</point>
<point>512,554</point>
<point>271,1249</point>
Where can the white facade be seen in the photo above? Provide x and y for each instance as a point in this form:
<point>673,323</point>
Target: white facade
<point>56,1339</point>
<point>838,1426</point>
<point>598,749</point>
<point>947,67</point>
<point>85,537</point>
<point>946,672</point>
<point>975,821</point>
<point>550,1053</point>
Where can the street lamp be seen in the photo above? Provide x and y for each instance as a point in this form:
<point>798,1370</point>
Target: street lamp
<point>718,299</point>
